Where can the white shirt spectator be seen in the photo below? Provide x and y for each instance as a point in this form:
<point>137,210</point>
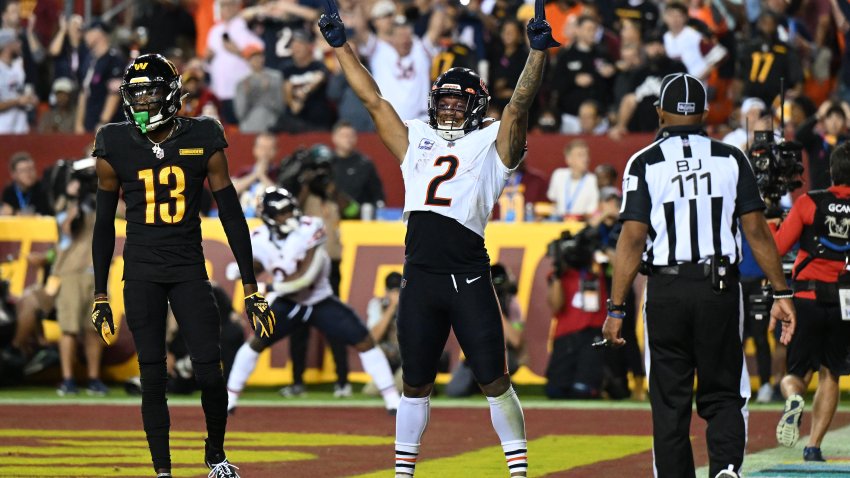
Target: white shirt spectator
<point>685,47</point>
<point>12,120</point>
<point>228,69</point>
<point>404,81</point>
<point>573,196</point>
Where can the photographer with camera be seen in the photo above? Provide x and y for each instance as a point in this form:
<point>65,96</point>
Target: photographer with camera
<point>462,383</point>
<point>381,315</point>
<point>576,296</point>
<point>309,175</point>
<point>820,221</point>
<point>820,142</point>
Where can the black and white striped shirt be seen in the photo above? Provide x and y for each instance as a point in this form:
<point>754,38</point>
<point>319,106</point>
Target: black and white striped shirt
<point>690,190</point>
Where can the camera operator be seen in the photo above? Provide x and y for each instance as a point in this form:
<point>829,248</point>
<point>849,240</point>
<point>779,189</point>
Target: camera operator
<point>381,315</point>
<point>820,221</point>
<point>308,174</point>
<point>576,295</point>
<point>463,382</point>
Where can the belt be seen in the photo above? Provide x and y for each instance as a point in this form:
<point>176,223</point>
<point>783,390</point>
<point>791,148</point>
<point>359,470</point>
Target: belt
<point>691,269</point>
<point>804,285</point>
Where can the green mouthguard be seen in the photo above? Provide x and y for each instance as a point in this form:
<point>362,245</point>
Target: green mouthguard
<point>141,118</point>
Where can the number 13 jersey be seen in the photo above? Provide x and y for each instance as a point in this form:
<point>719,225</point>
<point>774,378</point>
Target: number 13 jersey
<point>450,190</point>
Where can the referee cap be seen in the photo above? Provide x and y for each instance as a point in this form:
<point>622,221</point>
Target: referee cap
<point>682,94</point>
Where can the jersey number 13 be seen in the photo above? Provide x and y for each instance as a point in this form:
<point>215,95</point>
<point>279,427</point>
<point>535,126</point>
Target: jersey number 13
<point>176,193</point>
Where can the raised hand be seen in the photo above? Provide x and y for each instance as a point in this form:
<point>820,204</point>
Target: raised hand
<point>331,25</point>
<point>539,31</point>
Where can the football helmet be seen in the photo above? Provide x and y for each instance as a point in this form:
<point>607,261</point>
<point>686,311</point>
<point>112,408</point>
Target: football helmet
<point>277,201</point>
<point>463,83</point>
<point>150,92</point>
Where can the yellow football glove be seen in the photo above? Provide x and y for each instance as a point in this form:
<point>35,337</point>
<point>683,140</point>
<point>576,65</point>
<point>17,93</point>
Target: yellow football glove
<point>101,318</point>
<point>260,314</point>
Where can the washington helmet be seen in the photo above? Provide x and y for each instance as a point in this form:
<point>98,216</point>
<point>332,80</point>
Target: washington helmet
<point>150,92</point>
<point>277,201</point>
<point>463,83</point>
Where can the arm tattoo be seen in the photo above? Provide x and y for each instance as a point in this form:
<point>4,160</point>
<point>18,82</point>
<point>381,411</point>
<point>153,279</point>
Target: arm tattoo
<point>521,100</point>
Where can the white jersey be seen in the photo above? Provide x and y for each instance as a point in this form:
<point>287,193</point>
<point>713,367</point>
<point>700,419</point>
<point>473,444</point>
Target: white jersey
<point>459,179</point>
<point>280,257</point>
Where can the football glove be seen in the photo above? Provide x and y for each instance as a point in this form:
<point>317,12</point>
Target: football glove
<point>260,314</point>
<point>539,31</point>
<point>101,318</point>
<point>331,25</point>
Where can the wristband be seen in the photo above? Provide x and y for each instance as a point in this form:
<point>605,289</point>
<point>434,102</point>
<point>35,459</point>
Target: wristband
<point>783,294</point>
<point>616,315</point>
<point>616,308</point>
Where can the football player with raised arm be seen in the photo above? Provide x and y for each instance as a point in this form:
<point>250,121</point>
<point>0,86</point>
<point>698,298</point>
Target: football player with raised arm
<point>160,162</point>
<point>454,168</point>
<point>290,247</point>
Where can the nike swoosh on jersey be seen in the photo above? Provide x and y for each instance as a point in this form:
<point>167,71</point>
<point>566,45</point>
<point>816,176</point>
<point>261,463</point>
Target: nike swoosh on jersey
<point>468,281</point>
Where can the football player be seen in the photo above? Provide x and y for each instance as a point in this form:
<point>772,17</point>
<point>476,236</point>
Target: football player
<point>160,162</point>
<point>454,168</point>
<point>290,247</point>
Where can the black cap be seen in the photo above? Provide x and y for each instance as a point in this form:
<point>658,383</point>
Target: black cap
<point>393,281</point>
<point>99,24</point>
<point>682,94</point>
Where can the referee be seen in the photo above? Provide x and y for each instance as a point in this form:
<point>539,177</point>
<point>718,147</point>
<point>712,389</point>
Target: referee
<point>684,196</point>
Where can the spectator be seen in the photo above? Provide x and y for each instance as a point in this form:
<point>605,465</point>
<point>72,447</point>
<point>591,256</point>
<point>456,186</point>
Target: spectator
<point>68,49</point>
<point>382,16</point>
<point>32,52</point>
<point>402,69</point>
<point>576,296</point>
<point>751,110</point>
<point>506,63</point>
<point>63,111</point>
<point>381,314</point>
<point>24,197</point>
<point>683,42</point>
<point>584,71</point>
<point>462,383</point>
<point>276,22</point>
<point>348,106</point>
<point>525,189</point>
<point>99,101</point>
<point>606,177</point>
<point>638,90</point>
<point>227,67</point>
<point>832,118</point>
<point>73,269</point>
<point>198,99</point>
<point>644,12</point>
<point>167,24</point>
<point>354,173</point>
<point>590,120</point>
<point>573,189</point>
<point>765,61</point>
<point>259,96</point>
<point>304,90</point>
<point>16,98</point>
<point>251,186</point>
<point>558,14</point>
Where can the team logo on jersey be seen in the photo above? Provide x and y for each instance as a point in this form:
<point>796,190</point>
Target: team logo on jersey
<point>839,228</point>
<point>426,144</point>
<point>191,151</point>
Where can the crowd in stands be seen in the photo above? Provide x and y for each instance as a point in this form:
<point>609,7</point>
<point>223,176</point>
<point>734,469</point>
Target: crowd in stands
<point>260,67</point>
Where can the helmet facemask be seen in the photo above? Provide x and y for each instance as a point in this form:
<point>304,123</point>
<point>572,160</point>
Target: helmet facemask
<point>151,104</point>
<point>446,122</point>
<point>470,96</point>
<point>275,203</point>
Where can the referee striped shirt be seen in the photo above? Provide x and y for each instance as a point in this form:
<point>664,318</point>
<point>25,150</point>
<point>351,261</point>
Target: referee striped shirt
<point>690,190</point>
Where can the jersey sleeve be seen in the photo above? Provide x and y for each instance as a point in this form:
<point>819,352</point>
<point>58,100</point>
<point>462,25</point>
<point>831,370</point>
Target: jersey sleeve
<point>748,197</point>
<point>99,149</point>
<point>217,138</point>
<point>637,204</point>
<point>258,247</point>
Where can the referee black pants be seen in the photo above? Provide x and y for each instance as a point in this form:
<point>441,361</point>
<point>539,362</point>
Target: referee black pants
<point>692,329</point>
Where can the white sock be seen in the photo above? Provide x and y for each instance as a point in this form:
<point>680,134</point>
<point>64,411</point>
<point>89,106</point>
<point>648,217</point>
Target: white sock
<point>509,423</point>
<point>410,423</point>
<point>243,366</point>
<point>375,364</point>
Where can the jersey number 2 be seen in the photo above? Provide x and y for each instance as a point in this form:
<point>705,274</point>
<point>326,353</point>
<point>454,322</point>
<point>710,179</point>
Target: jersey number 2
<point>432,199</point>
<point>176,193</point>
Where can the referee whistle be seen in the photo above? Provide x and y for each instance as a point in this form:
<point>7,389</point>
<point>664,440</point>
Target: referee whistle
<point>601,343</point>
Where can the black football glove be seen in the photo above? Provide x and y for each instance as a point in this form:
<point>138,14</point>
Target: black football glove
<point>539,31</point>
<point>331,25</point>
<point>101,318</point>
<point>260,314</point>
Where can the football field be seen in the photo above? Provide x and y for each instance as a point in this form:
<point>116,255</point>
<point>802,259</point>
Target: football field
<point>42,435</point>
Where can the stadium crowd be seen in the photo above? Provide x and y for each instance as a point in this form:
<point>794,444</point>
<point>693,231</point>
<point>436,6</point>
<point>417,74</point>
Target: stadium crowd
<point>260,67</point>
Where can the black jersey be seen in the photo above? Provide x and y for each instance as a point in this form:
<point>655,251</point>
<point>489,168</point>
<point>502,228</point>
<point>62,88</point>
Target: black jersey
<point>764,64</point>
<point>163,193</point>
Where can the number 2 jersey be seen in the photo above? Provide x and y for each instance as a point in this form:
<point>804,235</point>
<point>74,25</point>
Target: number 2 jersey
<point>280,257</point>
<point>450,190</point>
<point>163,196</point>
